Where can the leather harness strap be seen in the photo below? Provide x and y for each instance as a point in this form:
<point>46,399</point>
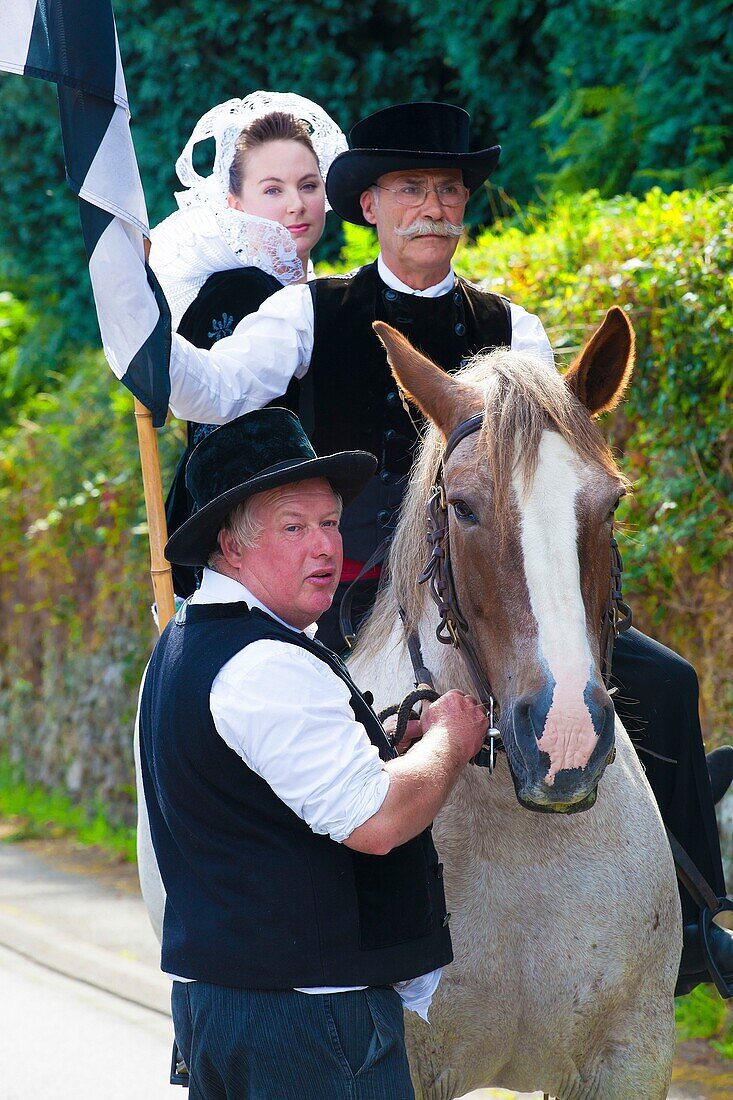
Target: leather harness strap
<point>346,625</point>
<point>710,906</point>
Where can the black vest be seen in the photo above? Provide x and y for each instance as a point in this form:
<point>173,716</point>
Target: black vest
<point>349,399</point>
<point>255,899</point>
<point>222,302</point>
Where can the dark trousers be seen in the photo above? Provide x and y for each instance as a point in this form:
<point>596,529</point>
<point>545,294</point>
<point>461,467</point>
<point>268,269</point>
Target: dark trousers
<point>657,701</point>
<point>250,1044</point>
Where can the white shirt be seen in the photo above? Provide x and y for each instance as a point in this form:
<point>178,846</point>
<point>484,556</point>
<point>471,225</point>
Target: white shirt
<point>254,365</point>
<point>303,741</point>
<point>282,710</point>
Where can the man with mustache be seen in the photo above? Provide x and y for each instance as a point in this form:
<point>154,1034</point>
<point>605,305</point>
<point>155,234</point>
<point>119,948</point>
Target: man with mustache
<point>409,173</point>
<point>321,333</point>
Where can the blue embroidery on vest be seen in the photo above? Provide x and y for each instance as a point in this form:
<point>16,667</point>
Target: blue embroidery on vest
<point>221,328</point>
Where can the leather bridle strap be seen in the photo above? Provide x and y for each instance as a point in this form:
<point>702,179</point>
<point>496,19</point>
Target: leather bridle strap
<point>453,628</point>
<point>617,616</point>
<point>466,427</point>
<point>438,573</point>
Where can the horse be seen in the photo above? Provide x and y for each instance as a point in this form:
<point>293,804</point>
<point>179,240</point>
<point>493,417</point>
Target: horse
<point>566,921</point>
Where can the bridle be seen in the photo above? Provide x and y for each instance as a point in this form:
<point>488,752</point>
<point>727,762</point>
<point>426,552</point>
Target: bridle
<point>453,628</point>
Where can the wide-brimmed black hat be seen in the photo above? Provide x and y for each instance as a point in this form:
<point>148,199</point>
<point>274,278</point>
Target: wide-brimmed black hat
<point>408,135</point>
<point>258,451</point>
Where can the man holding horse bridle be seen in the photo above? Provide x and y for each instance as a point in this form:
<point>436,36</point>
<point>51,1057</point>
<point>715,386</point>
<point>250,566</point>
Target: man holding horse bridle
<point>294,846</point>
<point>409,173</point>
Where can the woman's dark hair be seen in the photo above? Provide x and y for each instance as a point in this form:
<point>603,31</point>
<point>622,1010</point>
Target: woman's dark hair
<point>277,126</point>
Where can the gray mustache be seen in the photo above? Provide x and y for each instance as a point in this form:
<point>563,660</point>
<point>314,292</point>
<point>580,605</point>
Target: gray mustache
<point>425,227</point>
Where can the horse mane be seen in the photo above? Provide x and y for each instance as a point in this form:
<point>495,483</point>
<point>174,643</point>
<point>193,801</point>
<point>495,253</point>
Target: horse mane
<point>522,395</point>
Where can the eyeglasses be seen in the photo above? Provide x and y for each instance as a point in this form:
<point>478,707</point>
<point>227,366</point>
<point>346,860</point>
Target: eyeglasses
<point>414,194</point>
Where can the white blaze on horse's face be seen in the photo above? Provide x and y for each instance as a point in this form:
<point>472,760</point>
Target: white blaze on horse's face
<point>549,538</point>
<point>530,503</point>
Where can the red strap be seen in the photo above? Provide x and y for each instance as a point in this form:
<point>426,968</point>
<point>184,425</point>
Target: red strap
<point>351,570</point>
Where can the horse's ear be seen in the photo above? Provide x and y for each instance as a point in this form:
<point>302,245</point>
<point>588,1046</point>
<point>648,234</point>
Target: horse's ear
<point>601,373</point>
<point>436,394</point>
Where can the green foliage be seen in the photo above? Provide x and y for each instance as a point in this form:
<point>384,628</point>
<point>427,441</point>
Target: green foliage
<point>37,812</point>
<point>29,352</point>
<point>360,247</point>
<point>580,95</point>
<point>599,126</point>
<point>69,493</point>
<point>699,1015</point>
<point>657,77</point>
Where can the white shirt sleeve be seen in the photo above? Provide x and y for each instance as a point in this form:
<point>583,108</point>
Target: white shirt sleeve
<point>288,716</point>
<point>244,371</point>
<point>529,335</point>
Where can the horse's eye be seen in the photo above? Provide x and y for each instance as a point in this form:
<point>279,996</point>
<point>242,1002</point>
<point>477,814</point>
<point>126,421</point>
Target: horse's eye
<point>618,500</point>
<point>463,512</point>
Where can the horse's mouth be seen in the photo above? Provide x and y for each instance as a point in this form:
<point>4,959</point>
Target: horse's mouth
<point>560,807</point>
<point>541,786</point>
<point>534,795</point>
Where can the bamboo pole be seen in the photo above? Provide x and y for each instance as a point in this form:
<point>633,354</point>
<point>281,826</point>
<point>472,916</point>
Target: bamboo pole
<point>160,570</point>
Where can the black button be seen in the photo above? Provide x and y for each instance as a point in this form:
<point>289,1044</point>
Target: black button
<point>391,295</point>
<point>439,871</point>
<point>457,298</point>
<point>385,475</point>
<point>460,329</point>
<point>384,516</point>
<point>368,698</point>
<point>446,920</point>
<point>390,434</point>
<point>392,397</point>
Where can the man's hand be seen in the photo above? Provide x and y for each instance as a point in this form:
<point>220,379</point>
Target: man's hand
<point>413,732</point>
<point>460,720</point>
<point>450,731</point>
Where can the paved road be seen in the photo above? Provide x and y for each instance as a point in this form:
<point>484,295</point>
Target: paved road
<point>83,1006</point>
<point>64,1040</point>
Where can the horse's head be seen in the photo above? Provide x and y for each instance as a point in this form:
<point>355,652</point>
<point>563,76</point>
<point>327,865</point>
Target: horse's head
<point>530,499</point>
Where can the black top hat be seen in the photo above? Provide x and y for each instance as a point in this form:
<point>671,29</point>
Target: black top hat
<point>408,135</point>
<point>258,451</point>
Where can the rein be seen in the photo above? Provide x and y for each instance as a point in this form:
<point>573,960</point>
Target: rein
<point>453,628</point>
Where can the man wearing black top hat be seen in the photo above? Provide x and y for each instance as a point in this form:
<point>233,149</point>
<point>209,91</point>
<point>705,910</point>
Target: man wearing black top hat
<point>300,879</point>
<point>409,172</point>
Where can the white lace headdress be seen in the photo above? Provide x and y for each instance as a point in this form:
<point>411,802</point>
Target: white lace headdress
<point>206,235</point>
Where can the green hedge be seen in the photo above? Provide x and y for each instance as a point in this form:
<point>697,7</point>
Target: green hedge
<point>580,93</point>
<point>75,594</point>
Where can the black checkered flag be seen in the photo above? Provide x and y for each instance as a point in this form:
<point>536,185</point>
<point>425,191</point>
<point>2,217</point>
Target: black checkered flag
<point>73,44</point>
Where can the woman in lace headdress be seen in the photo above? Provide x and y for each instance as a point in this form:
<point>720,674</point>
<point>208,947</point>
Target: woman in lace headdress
<point>243,232</point>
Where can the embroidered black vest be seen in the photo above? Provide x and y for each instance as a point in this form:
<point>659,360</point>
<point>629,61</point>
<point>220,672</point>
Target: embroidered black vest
<point>255,899</point>
<point>349,398</point>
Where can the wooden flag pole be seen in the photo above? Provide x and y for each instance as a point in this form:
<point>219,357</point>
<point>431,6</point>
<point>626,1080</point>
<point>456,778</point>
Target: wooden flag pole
<point>160,570</point>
